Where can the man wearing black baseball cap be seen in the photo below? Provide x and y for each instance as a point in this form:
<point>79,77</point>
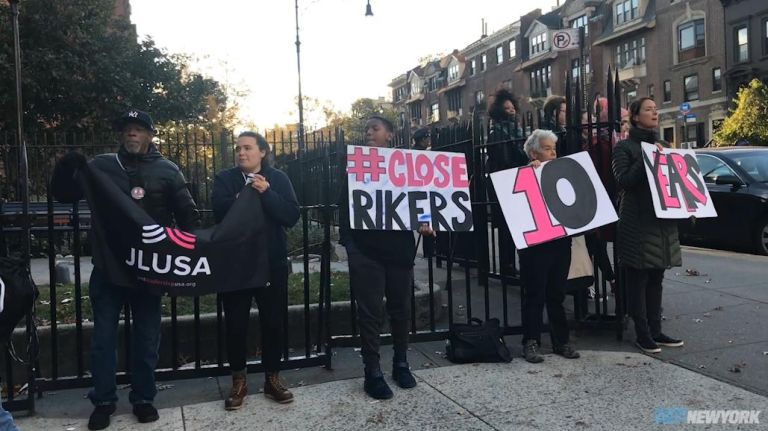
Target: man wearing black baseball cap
<point>157,185</point>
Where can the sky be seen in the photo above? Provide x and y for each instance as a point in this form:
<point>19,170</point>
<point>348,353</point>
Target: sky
<point>250,44</point>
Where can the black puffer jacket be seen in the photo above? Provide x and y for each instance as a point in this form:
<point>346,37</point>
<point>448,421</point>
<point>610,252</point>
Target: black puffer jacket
<point>166,198</point>
<point>643,240</point>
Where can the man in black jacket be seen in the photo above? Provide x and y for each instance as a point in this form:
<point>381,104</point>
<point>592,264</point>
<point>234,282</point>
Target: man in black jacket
<point>158,186</point>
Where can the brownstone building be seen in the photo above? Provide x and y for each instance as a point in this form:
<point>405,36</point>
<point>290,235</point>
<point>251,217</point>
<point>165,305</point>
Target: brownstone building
<point>670,50</point>
<point>746,42</point>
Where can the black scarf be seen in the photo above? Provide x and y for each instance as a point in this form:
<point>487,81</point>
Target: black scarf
<point>639,134</point>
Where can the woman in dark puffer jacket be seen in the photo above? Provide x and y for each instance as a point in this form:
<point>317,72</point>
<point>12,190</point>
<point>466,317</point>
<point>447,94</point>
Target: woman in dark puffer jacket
<point>647,245</point>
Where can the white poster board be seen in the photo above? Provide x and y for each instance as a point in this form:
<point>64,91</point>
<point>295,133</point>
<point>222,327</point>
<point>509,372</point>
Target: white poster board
<point>677,187</point>
<point>396,189</point>
<point>562,197</point>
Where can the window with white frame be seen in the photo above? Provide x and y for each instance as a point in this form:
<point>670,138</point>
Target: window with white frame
<point>717,80</point>
<point>539,43</point>
<point>415,87</point>
<point>630,53</point>
<point>435,114</point>
<point>626,10</point>
<point>453,72</point>
<point>580,22</point>
<point>499,54</point>
<point>483,62</point>
<point>416,113</point>
<point>513,48</point>
<point>472,67</point>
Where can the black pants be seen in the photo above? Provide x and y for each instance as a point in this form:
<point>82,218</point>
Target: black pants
<point>371,280</point>
<point>272,307</point>
<point>644,297</point>
<point>544,275</point>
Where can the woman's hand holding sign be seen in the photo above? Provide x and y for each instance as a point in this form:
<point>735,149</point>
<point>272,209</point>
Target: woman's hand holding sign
<point>426,230</point>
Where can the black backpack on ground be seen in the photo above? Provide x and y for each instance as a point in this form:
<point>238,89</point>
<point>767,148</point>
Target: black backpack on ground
<point>477,342</point>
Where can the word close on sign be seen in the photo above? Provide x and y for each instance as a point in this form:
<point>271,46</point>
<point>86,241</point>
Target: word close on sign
<point>395,189</point>
<point>562,197</point>
<point>677,186</point>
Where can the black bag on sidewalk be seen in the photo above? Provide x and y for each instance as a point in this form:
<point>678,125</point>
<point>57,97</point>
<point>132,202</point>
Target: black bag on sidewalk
<point>477,342</point>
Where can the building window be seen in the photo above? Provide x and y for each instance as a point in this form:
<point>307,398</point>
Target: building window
<point>626,11</point>
<point>453,72</point>
<point>717,80</point>
<point>652,91</point>
<point>581,22</point>
<point>483,62</point>
<point>479,97</point>
<point>575,69</point>
<point>472,67</point>
<point>631,95</point>
<point>499,54</point>
<point>415,87</point>
<point>540,81</point>
<point>741,52</point>
<point>630,53</point>
<point>667,91</point>
<point>538,44</point>
<point>454,102</point>
<point>690,40</point>
<point>691,86</point>
<point>432,83</point>
<point>765,37</point>
<point>416,113</point>
<point>507,84</point>
<point>435,114</point>
<point>513,48</point>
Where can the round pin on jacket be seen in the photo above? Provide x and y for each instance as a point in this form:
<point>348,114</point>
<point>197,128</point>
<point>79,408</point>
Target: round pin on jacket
<point>137,193</point>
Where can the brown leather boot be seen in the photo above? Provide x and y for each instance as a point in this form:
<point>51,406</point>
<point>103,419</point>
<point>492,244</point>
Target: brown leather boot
<point>274,389</point>
<point>237,393</point>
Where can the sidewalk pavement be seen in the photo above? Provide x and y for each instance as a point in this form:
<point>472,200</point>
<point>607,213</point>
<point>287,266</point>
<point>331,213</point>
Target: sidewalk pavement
<point>602,390</point>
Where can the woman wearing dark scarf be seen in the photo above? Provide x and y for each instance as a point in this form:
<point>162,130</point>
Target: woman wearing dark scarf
<point>647,245</point>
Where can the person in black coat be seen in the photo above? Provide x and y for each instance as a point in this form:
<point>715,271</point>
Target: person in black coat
<point>282,211</point>
<point>380,264</point>
<point>157,185</point>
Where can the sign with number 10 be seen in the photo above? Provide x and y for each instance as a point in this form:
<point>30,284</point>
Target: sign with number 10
<point>560,198</point>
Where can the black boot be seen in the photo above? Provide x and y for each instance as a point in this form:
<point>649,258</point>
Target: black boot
<point>401,372</point>
<point>375,385</point>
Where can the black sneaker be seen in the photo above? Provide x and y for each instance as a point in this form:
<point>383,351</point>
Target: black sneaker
<point>664,340</point>
<point>100,417</point>
<point>401,374</point>
<point>376,387</point>
<point>145,412</point>
<point>531,352</point>
<point>647,345</point>
<point>567,351</point>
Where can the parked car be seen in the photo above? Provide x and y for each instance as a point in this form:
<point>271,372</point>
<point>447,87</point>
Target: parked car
<point>737,179</point>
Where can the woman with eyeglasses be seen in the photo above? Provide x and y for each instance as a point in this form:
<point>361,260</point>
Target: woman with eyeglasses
<point>647,245</point>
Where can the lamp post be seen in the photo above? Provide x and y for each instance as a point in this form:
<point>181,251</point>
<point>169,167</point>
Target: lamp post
<point>23,163</point>
<point>300,137</point>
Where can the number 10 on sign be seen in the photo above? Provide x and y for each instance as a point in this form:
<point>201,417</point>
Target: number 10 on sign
<point>560,198</point>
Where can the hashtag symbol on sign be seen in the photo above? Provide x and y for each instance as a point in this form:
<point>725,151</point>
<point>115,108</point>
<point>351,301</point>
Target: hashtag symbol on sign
<point>359,163</point>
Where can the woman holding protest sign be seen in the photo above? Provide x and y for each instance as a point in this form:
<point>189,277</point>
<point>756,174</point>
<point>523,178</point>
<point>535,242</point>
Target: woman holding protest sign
<point>380,264</point>
<point>544,273</point>
<point>282,211</point>
<point>647,245</point>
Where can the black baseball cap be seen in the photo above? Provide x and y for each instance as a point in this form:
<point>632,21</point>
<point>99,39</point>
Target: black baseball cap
<point>137,117</point>
<point>421,134</point>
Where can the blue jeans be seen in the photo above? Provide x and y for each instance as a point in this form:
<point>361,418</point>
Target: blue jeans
<point>107,302</point>
<point>6,421</point>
